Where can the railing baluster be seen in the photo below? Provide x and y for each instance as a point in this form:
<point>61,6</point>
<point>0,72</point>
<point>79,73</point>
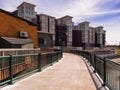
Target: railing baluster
<point>11,69</point>
<point>104,72</point>
<point>94,63</point>
<point>39,62</point>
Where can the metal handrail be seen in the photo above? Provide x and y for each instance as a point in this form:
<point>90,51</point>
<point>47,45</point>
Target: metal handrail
<point>109,71</point>
<point>18,67</point>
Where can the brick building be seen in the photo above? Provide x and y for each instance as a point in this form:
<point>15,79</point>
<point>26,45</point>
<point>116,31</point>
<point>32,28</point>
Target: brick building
<point>12,25</point>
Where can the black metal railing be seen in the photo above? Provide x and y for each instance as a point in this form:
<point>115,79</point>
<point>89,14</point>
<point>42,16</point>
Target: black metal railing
<point>13,67</point>
<point>108,70</point>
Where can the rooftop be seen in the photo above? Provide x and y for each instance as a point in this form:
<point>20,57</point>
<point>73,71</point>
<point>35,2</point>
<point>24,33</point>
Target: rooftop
<point>17,40</point>
<point>26,3</point>
<point>47,15</point>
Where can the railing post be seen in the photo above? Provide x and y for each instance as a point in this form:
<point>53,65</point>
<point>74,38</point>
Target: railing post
<point>90,58</point>
<point>51,58</point>
<point>39,62</point>
<point>94,63</point>
<point>11,69</point>
<point>104,72</point>
<point>57,56</point>
<point>61,54</point>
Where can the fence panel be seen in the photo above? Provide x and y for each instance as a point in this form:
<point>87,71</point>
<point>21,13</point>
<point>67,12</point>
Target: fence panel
<point>15,66</point>
<point>4,69</point>
<point>108,70</point>
<point>24,64</point>
<point>113,75</point>
<point>100,66</point>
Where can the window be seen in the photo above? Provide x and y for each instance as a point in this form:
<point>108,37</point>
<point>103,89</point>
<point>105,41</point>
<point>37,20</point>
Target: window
<point>31,13</point>
<point>26,8</point>
<point>42,41</point>
<point>52,21</point>
<point>32,9</point>
<point>26,12</point>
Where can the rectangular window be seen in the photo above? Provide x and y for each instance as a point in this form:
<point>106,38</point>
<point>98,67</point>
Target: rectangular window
<point>31,13</point>
<point>42,41</point>
<point>26,12</point>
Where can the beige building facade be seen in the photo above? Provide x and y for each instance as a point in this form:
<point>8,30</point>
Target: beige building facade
<point>27,11</point>
<point>90,36</point>
<point>100,35</point>
<point>67,22</point>
<point>46,24</point>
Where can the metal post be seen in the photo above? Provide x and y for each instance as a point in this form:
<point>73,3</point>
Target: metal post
<point>104,73</point>
<point>57,55</point>
<point>51,58</point>
<point>11,69</point>
<point>94,63</point>
<point>39,62</point>
<point>90,59</point>
<point>61,54</point>
<point>87,57</point>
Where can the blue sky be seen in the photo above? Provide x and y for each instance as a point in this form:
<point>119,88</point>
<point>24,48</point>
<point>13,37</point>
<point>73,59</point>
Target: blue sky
<point>99,12</point>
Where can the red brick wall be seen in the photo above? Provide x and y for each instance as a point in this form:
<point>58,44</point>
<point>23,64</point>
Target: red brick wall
<point>46,50</point>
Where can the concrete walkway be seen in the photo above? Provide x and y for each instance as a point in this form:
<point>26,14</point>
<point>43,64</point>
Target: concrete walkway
<point>70,73</point>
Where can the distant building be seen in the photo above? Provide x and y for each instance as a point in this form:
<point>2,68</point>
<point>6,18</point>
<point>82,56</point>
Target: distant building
<point>86,36</point>
<point>92,37</point>
<point>81,33</point>
<point>26,11</point>
<point>99,37</point>
<point>61,36</point>
<point>77,38</point>
<point>65,24</point>
<point>46,25</point>
<point>50,31</point>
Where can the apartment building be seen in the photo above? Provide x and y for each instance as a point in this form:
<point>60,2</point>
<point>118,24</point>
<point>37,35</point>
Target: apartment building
<point>92,37</point>
<point>61,32</point>
<point>99,36</point>
<point>46,25</point>
<point>66,25</point>
<point>61,36</point>
<point>83,36</point>
<point>26,11</point>
<point>86,36</point>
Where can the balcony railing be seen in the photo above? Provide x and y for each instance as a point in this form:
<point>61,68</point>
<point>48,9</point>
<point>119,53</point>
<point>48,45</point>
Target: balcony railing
<point>108,70</point>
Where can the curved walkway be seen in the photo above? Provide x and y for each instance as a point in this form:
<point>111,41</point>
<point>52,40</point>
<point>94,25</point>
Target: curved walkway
<point>70,73</point>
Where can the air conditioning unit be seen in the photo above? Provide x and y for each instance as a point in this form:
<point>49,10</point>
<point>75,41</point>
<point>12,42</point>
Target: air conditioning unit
<point>23,34</point>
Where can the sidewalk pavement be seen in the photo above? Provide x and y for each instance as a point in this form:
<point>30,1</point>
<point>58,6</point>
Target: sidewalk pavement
<point>70,73</point>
